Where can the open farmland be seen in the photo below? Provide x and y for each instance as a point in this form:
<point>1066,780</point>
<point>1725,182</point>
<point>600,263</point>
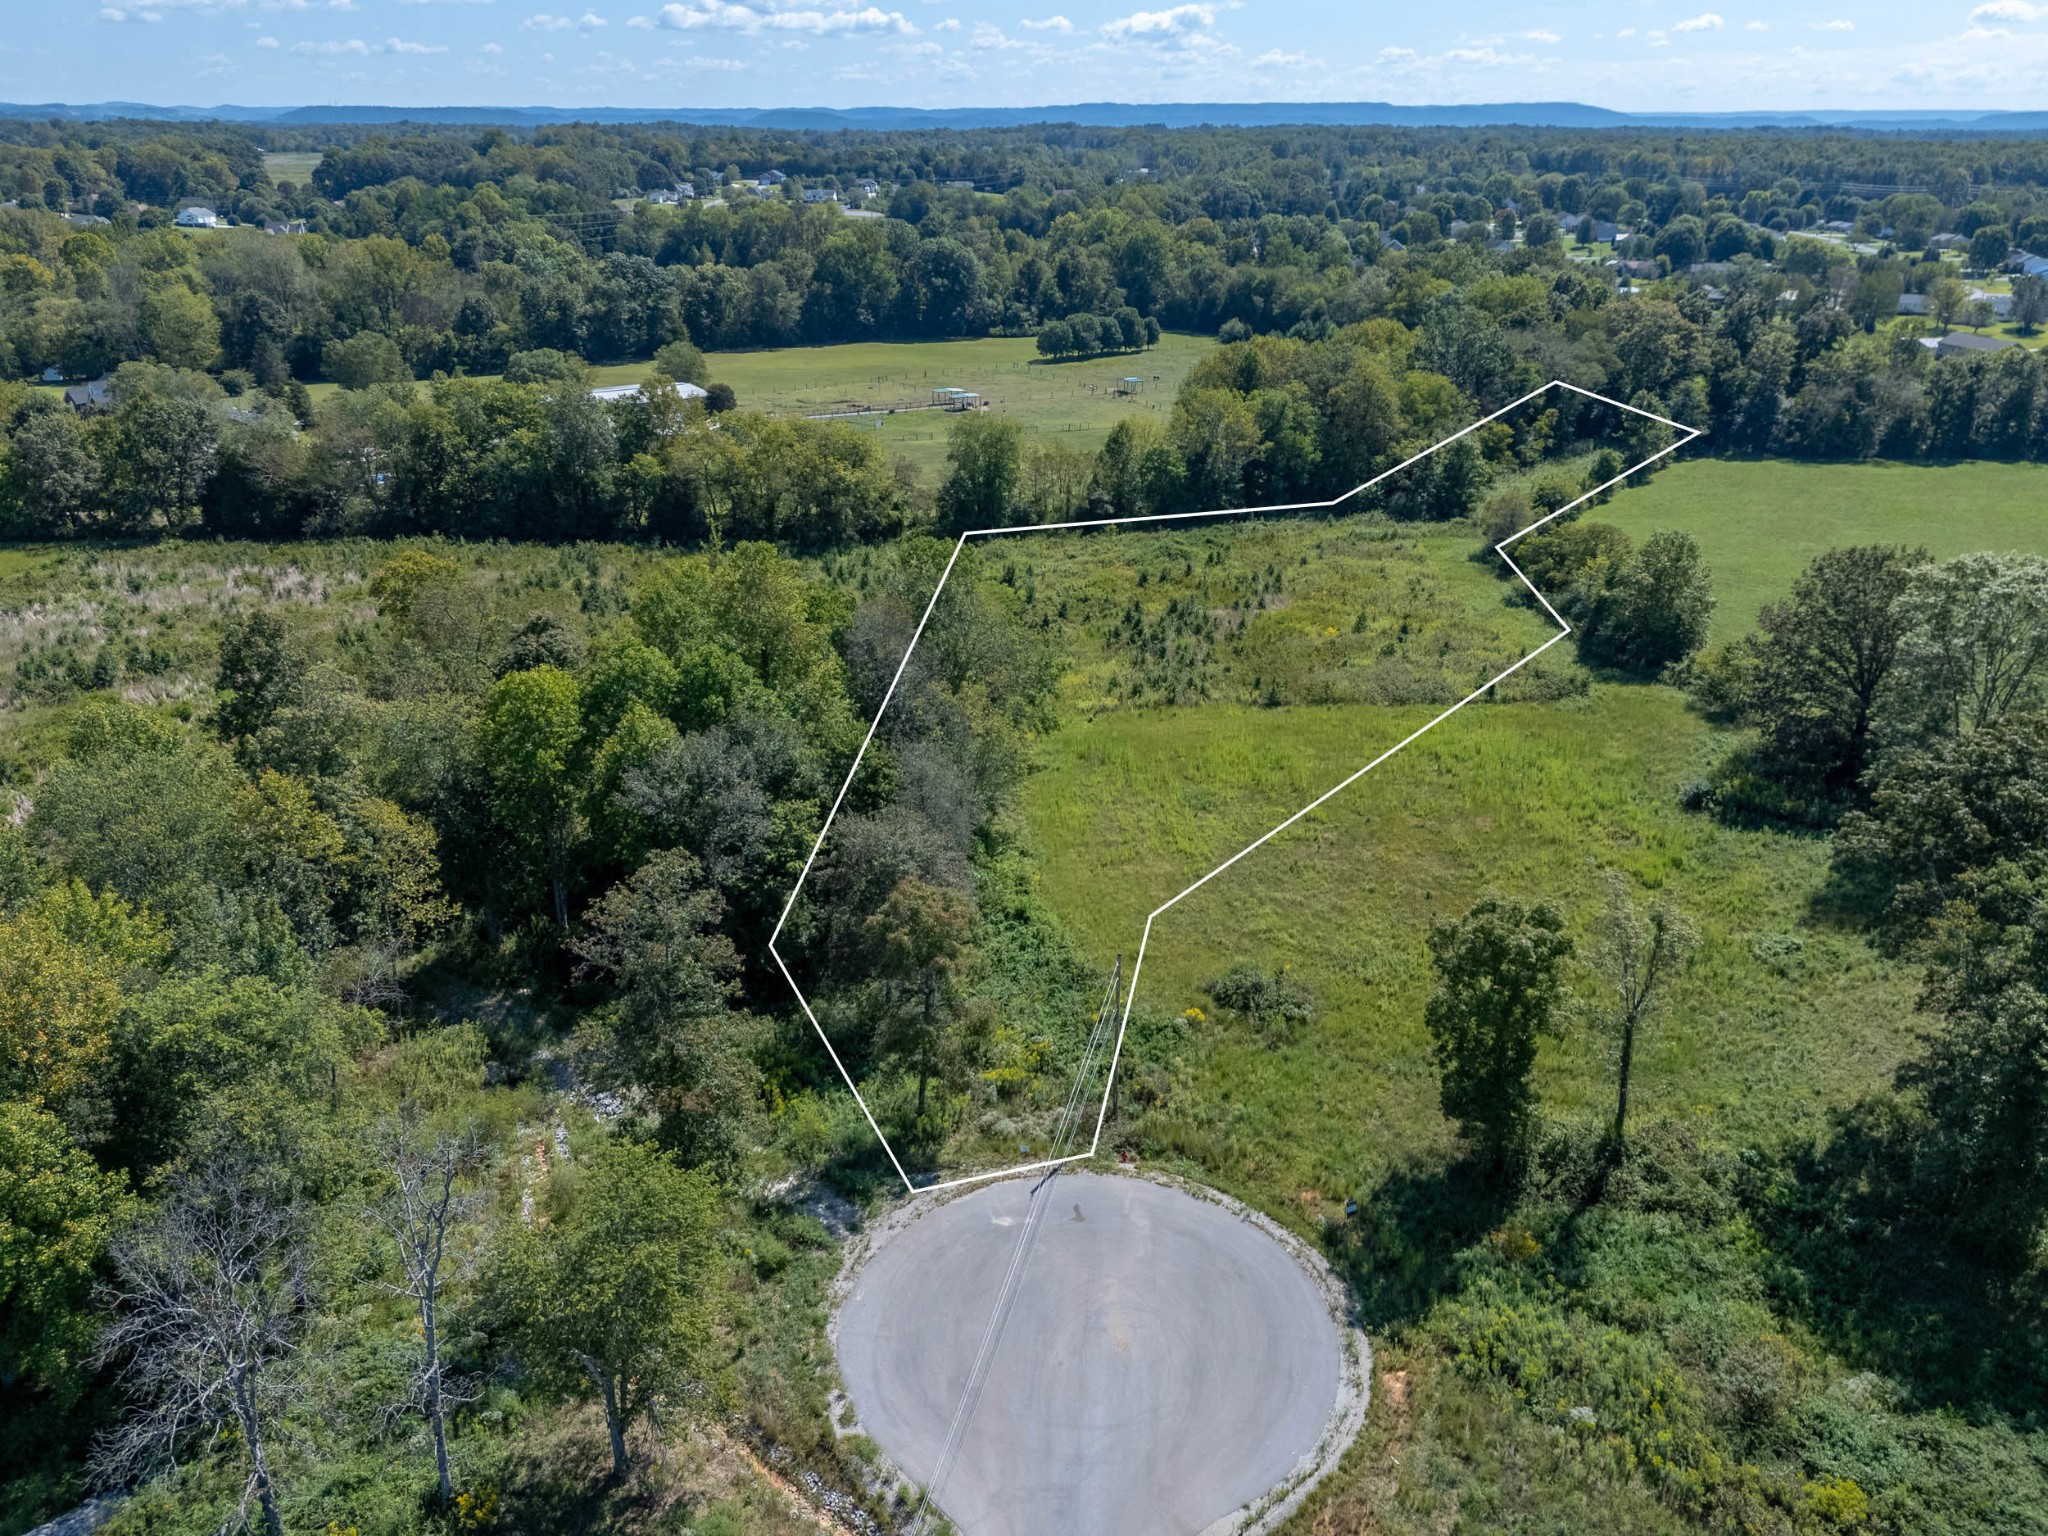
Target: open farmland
<point>1759,521</point>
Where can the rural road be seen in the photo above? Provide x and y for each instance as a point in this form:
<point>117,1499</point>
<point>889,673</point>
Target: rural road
<point>1164,1362</point>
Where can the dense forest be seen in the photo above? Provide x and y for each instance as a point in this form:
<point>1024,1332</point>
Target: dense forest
<point>1427,270</point>
<point>406,754</point>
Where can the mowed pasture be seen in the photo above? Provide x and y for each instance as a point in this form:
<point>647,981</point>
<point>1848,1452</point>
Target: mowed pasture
<point>1074,402</point>
<point>1785,1016</point>
<point>1759,521</point>
<point>293,165</point>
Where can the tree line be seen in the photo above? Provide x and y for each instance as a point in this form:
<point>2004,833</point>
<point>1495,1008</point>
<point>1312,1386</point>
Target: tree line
<point>235,1117</point>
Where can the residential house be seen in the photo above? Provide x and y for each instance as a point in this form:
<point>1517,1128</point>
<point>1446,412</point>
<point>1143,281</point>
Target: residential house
<point>1913,304</point>
<point>2001,303</point>
<point>662,195</point>
<point>867,186</point>
<point>53,375</point>
<point>197,217</point>
<point>96,396</point>
<point>2027,264</point>
<point>820,195</point>
<point>685,190</point>
<point>284,226</point>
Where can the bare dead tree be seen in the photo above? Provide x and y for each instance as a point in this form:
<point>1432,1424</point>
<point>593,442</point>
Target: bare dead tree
<point>1637,952</point>
<point>424,1205</point>
<point>209,1302</point>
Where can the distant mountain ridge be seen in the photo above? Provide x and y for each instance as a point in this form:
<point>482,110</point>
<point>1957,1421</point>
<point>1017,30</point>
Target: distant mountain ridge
<point>1103,114</point>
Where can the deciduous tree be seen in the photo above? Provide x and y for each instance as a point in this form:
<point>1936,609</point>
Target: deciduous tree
<point>654,936</point>
<point>611,1294</point>
<point>1637,953</point>
<point>208,1310</point>
<point>1499,977</point>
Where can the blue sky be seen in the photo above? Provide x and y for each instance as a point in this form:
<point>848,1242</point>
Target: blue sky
<point>639,53</point>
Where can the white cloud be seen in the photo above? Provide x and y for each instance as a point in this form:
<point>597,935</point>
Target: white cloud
<point>705,61</point>
<point>1397,55</point>
<point>1486,56</point>
<point>988,35</point>
<point>1706,21</point>
<point>546,23</point>
<point>493,49</point>
<point>2009,10</point>
<point>155,10</point>
<point>950,24</point>
<point>1626,32</point>
<point>1058,24</point>
<point>330,50</point>
<point>1756,26</point>
<point>1177,24</point>
<point>400,45</point>
<point>1540,36</point>
<point>1832,26</point>
<point>266,42</point>
<point>728,16</point>
<point>1278,60</point>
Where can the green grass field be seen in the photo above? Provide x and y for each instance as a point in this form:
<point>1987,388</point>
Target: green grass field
<point>1536,797</point>
<point>1759,521</point>
<point>292,165</point>
<point>1075,402</point>
<point>1495,1312</point>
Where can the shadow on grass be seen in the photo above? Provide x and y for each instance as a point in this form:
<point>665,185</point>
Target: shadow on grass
<point>1400,1249</point>
<point>1874,1262</point>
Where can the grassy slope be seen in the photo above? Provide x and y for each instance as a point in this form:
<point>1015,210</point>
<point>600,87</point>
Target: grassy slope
<point>1783,1018</point>
<point>1759,521</point>
<point>1533,797</point>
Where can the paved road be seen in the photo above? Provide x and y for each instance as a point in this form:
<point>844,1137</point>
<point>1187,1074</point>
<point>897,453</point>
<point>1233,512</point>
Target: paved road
<point>1164,1362</point>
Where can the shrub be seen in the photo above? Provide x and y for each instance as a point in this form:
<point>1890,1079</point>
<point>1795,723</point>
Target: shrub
<point>1647,611</point>
<point>543,365</point>
<point>1272,1002</point>
<point>682,360</point>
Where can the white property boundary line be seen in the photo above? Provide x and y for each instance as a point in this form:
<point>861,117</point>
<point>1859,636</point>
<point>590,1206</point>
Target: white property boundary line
<point>1691,434</point>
